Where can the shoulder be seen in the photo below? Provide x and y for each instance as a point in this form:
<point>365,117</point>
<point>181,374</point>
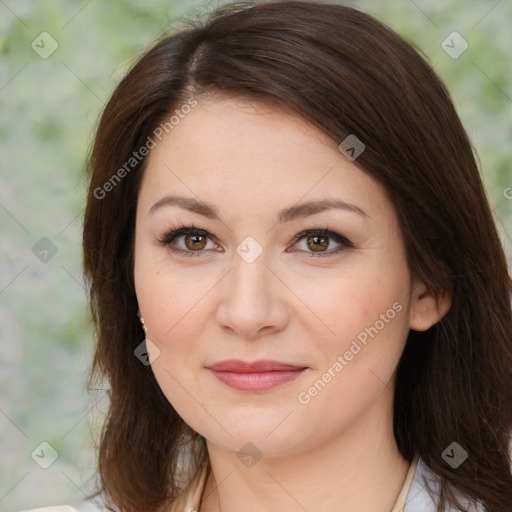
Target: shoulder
<point>419,498</point>
<point>82,506</point>
<point>57,508</point>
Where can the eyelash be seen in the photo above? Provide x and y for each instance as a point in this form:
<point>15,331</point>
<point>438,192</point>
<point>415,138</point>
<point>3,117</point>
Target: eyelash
<point>182,229</point>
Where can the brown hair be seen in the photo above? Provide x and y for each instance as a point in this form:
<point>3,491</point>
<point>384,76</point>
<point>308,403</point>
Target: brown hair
<point>346,73</point>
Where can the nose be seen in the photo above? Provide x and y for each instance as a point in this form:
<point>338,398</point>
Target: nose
<point>253,300</point>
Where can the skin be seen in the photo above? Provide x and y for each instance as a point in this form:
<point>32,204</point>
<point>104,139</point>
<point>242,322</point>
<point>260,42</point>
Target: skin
<point>250,160</point>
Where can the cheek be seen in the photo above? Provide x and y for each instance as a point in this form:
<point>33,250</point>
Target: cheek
<point>180,387</point>
<point>172,298</point>
<point>354,368</point>
<point>357,299</point>
<point>366,308</point>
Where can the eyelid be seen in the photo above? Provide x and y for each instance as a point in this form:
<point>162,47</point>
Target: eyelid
<point>181,230</point>
<point>325,232</point>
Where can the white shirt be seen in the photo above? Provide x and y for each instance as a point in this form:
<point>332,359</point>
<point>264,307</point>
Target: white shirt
<point>413,497</point>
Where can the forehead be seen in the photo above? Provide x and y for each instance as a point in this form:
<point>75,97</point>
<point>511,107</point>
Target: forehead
<point>238,130</point>
<point>255,155</point>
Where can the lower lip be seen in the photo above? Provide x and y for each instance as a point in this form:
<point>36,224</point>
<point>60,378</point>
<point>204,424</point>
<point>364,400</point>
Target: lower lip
<point>257,381</point>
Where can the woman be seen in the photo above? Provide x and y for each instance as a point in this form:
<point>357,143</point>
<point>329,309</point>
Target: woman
<point>284,202</point>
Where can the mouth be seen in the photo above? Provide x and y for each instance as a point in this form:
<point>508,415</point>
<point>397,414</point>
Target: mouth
<point>255,376</point>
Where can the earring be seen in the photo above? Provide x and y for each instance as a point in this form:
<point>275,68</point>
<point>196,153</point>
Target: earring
<point>143,325</point>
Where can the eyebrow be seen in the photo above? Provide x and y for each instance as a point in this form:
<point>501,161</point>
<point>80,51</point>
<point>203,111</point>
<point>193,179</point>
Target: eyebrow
<point>286,215</point>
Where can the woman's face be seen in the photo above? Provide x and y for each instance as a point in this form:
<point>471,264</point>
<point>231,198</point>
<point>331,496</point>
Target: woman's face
<point>339,310</point>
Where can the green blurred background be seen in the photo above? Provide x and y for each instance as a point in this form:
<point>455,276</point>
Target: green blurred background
<point>49,106</point>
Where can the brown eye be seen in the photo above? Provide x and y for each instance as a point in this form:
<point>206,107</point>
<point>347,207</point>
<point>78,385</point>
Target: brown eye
<point>195,242</point>
<point>317,243</point>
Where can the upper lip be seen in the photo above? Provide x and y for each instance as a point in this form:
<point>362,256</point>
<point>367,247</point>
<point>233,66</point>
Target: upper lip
<point>238,366</point>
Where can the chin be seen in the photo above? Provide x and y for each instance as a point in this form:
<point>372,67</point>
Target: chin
<point>262,438</point>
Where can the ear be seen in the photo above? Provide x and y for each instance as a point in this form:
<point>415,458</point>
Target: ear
<point>426,309</point>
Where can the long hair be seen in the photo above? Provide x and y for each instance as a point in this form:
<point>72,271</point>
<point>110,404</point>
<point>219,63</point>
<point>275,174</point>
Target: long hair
<point>346,73</point>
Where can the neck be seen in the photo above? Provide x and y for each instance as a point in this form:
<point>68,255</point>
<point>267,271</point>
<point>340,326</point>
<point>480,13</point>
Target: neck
<point>358,469</point>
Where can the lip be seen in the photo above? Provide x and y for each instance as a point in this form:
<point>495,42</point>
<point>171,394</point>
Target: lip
<point>256,375</point>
